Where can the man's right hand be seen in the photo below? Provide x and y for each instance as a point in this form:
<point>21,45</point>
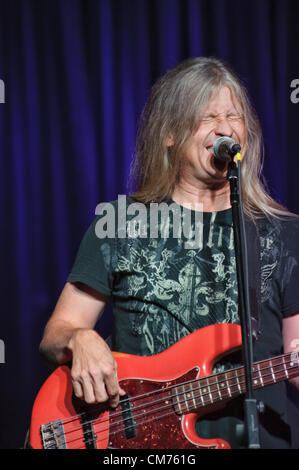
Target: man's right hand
<point>94,369</point>
<point>70,336</point>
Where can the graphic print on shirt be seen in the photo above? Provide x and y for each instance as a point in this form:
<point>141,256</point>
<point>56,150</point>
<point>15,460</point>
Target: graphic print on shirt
<point>270,254</point>
<point>179,290</point>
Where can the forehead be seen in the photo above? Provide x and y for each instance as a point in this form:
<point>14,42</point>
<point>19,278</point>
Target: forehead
<point>223,99</point>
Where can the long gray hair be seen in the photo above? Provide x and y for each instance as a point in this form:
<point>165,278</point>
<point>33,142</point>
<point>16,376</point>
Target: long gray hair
<point>174,108</point>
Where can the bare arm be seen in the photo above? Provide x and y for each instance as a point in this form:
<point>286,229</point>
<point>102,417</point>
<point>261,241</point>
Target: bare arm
<point>291,339</point>
<point>70,335</point>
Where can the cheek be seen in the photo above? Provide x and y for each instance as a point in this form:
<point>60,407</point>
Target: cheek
<point>243,140</point>
<point>241,132</point>
<point>196,149</point>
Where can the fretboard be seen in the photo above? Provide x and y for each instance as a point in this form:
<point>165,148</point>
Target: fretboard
<point>224,386</point>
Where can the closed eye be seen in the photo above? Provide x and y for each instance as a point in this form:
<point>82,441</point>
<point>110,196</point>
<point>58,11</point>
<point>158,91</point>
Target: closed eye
<point>209,118</point>
<point>233,117</point>
<point>229,117</point>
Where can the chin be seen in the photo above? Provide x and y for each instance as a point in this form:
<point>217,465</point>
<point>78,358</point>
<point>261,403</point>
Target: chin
<point>219,177</point>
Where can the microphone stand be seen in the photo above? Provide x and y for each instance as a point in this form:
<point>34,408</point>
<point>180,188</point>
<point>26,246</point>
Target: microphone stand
<point>250,404</point>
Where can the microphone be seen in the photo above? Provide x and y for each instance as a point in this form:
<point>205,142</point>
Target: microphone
<point>225,148</point>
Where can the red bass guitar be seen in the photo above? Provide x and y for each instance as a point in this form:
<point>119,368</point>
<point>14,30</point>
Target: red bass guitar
<point>166,395</point>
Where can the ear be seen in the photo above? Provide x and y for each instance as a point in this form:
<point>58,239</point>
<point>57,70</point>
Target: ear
<point>169,141</point>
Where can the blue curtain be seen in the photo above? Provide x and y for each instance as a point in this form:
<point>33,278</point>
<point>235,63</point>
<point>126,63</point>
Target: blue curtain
<point>76,75</point>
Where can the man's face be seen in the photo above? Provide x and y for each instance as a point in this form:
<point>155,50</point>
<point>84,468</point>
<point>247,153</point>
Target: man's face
<point>223,117</point>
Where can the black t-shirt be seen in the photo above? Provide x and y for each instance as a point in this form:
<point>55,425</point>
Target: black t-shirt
<point>172,275</point>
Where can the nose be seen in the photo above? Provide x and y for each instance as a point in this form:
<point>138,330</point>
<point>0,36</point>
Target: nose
<point>223,127</point>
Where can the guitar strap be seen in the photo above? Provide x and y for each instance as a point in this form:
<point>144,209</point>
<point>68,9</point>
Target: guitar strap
<point>254,274</point>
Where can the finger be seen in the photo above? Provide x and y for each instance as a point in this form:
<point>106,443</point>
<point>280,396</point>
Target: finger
<point>82,386</point>
<point>100,392</point>
<point>88,391</point>
<point>109,376</point>
<point>113,391</point>
<point>78,390</point>
<point>113,398</point>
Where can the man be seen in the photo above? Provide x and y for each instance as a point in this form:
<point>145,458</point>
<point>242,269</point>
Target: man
<point>161,290</point>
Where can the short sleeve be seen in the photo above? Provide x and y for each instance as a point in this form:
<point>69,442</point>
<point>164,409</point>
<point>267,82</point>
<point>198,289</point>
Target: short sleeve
<point>92,265</point>
<point>290,267</point>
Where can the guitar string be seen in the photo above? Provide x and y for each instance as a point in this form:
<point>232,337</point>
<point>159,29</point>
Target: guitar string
<point>155,392</point>
<point>237,384</point>
<point>92,441</point>
<point>115,424</point>
<point>137,423</point>
<point>238,369</point>
<point>146,395</point>
<point>163,390</point>
<point>171,411</point>
<point>128,400</point>
<point>161,416</point>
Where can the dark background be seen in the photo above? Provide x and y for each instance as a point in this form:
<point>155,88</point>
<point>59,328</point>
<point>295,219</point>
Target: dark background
<point>76,74</point>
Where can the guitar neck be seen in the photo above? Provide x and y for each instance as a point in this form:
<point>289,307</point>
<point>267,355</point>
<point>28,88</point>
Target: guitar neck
<point>224,386</point>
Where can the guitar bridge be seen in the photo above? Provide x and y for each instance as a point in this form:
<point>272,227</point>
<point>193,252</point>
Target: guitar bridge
<point>53,435</point>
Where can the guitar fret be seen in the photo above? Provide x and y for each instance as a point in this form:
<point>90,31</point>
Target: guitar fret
<point>206,391</point>
<point>193,397</point>
<point>215,389</point>
<point>218,388</point>
<point>187,396</point>
<point>278,369</point>
<point>272,371</point>
<point>261,377</point>
<point>285,367</point>
<point>201,397</point>
<point>289,364</point>
<point>232,383</point>
<point>255,378</point>
<point>179,405</point>
<point>184,397</point>
<point>227,384</point>
<point>221,385</point>
<point>238,383</point>
<point>209,391</point>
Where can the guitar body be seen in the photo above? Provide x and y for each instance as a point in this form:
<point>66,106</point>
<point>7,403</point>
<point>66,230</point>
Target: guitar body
<point>153,417</point>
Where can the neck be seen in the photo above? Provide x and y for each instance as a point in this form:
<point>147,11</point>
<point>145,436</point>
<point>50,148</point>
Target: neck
<point>212,197</point>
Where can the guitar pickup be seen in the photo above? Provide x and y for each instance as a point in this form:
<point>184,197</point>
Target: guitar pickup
<point>129,424</point>
<point>89,436</point>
